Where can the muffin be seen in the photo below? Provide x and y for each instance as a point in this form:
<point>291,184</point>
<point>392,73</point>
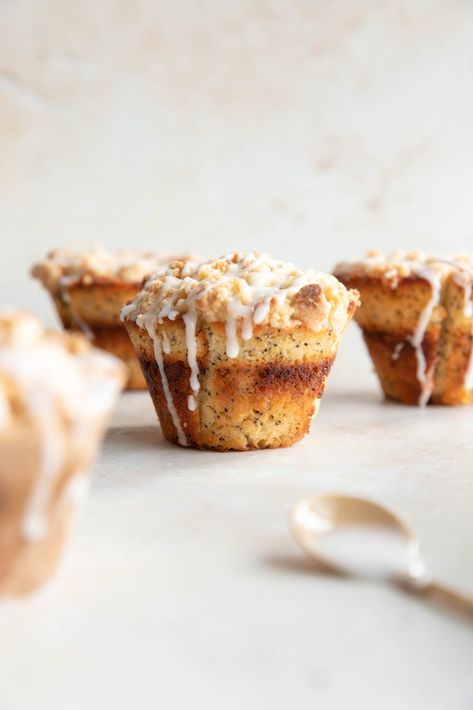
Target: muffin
<point>236,352</point>
<point>89,289</point>
<point>417,322</point>
<point>56,394</point>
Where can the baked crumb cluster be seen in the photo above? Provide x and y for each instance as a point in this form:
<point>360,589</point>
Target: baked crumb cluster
<point>397,265</point>
<point>64,267</point>
<point>251,287</point>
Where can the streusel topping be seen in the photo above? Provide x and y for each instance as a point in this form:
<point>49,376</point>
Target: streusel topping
<point>251,287</point>
<point>396,265</point>
<point>64,267</point>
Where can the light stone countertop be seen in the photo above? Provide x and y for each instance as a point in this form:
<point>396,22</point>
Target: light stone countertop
<point>182,586</point>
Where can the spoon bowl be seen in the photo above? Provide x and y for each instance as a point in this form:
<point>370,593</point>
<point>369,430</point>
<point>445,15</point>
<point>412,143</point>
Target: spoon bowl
<point>358,537</point>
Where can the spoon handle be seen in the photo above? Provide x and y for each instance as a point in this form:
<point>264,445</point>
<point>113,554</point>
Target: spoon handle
<point>439,593</point>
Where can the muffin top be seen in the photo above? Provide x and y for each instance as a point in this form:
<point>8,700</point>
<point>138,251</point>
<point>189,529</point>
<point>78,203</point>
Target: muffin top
<point>43,370</point>
<point>397,265</point>
<point>253,287</point>
<point>65,267</point>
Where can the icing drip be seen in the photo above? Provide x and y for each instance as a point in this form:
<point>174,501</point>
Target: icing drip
<point>4,411</point>
<point>468,308</point>
<point>191,403</point>
<point>126,310</point>
<point>397,351</point>
<point>190,322</point>
<point>166,343</point>
<point>83,327</point>
<point>236,311</point>
<point>158,354</point>
<point>76,489</point>
<point>34,523</point>
<point>416,339</point>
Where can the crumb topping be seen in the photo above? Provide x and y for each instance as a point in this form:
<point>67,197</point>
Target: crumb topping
<point>244,286</point>
<point>65,267</point>
<point>397,265</point>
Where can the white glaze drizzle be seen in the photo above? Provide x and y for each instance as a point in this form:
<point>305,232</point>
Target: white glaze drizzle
<point>236,311</point>
<point>417,338</point>
<point>150,325</point>
<point>166,343</point>
<point>4,411</point>
<point>52,457</point>
<point>468,307</point>
<point>80,324</point>
<point>76,488</point>
<point>126,310</point>
<point>398,350</point>
<point>190,322</point>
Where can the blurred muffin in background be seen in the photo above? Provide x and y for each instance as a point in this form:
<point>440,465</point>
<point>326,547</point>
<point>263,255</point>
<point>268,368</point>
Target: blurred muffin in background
<point>89,289</point>
<point>56,395</point>
<point>236,351</point>
<point>417,320</point>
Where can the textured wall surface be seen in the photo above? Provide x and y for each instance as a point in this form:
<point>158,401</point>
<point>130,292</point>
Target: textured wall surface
<point>311,129</point>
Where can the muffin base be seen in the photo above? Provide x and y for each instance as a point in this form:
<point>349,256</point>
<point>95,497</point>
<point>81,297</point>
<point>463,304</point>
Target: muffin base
<point>264,398</point>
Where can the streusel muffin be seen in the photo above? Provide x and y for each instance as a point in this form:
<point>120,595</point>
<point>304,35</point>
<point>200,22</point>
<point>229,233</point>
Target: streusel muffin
<point>417,321</point>
<point>90,287</point>
<point>56,394</point>
<point>236,351</point>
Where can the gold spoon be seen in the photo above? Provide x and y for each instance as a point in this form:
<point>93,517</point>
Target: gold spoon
<point>357,537</point>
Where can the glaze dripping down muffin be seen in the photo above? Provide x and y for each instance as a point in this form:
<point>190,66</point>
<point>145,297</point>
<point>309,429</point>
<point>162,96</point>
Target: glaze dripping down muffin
<point>56,394</point>
<point>90,287</point>
<point>417,322</point>
<point>236,351</point>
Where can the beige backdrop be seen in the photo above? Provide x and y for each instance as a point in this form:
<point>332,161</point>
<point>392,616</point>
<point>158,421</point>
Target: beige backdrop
<point>308,128</point>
